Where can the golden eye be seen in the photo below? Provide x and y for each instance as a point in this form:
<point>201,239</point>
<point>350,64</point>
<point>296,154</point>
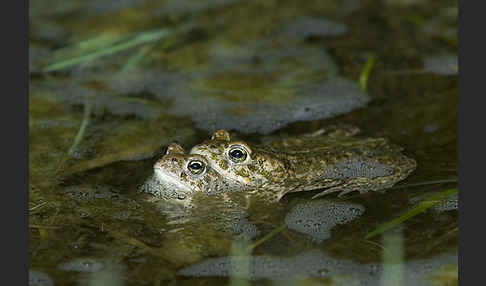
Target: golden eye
<point>196,167</point>
<point>237,154</point>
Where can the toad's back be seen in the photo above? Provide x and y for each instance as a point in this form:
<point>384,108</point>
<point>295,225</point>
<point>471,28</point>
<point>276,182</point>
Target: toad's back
<point>333,159</point>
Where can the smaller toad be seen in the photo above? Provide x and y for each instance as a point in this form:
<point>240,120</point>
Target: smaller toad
<point>178,177</point>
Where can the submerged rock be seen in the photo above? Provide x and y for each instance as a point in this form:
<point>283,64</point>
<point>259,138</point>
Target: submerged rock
<point>317,218</point>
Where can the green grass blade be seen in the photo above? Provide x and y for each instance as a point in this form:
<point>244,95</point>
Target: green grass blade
<point>98,42</point>
<point>80,134</point>
<point>143,38</point>
<point>425,183</point>
<point>78,138</point>
<point>136,58</point>
<point>365,73</point>
<point>268,236</point>
<point>420,208</point>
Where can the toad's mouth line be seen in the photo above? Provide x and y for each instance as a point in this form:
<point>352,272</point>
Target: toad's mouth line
<point>170,180</point>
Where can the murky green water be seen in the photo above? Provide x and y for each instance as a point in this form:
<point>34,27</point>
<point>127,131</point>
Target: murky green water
<point>127,78</point>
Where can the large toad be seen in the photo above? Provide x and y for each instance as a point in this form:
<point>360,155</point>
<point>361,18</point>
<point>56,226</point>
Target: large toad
<point>333,159</point>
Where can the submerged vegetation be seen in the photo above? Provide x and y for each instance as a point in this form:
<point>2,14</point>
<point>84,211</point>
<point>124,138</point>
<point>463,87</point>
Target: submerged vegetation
<point>433,200</point>
<point>92,49</point>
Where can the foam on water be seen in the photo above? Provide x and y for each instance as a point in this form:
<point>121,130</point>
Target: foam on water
<point>316,218</point>
<point>443,64</point>
<point>190,6</point>
<point>256,89</point>
<point>272,84</point>
<point>82,265</point>
<point>308,264</point>
<point>244,229</point>
<point>316,264</point>
<point>305,27</point>
<point>95,7</point>
<point>274,54</point>
<point>452,203</point>
<point>316,101</point>
<point>37,278</point>
<point>73,92</point>
<point>91,192</point>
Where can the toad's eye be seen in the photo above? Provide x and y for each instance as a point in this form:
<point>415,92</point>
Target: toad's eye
<point>196,167</point>
<point>237,154</point>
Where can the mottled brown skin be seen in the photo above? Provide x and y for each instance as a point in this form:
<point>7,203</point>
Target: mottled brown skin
<point>330,159</point>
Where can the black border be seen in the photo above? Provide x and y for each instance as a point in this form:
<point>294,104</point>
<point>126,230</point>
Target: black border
<point>470,165</point>
<point>460,140</point>
<point>15,187</point>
